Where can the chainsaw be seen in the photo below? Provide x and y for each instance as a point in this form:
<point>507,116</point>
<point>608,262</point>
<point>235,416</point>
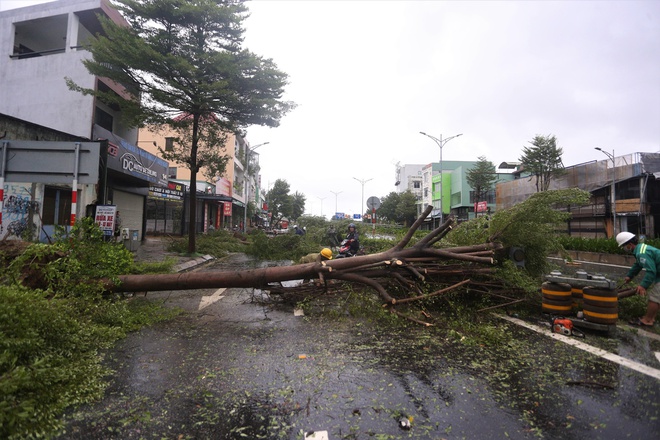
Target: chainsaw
<point>565,327</point>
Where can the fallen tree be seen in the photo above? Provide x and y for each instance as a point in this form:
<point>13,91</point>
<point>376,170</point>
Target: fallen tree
<point>402,265</point>
<point>414,269</point>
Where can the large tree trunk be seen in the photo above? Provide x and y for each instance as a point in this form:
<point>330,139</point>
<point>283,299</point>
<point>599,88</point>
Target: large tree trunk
<point>400,264</point>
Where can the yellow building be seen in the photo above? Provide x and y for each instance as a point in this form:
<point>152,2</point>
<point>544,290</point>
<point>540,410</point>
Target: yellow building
<point>222,200</point>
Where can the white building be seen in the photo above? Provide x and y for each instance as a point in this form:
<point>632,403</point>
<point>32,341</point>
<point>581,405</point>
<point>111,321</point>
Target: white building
<point>46,45</point>
<point>409,177</point>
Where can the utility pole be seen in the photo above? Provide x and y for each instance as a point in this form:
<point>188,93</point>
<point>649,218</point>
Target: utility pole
<point>611,156</point>
<point>362,181</point>
<point>336,194</point>
<point>441,143</point>
<point>246,181</point>
<point>321,199</point>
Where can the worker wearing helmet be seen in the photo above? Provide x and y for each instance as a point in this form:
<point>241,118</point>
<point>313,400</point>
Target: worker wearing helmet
<point>648,258</point>
<point>324,255</point>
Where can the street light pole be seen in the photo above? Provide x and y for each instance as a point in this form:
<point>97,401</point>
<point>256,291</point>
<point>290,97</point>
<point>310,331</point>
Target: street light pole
<point>611,157</point>
<point>363,181</point>
<point>441,143</point>
<point>336,194</point>
<point>321,199</point>
<point>245,181</point>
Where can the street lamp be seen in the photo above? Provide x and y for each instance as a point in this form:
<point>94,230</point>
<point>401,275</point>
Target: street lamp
<point>611,157</point>
<point>245,181</point>
<point>336,194</point>
<point>363,181</point>
<point>321,199</point>
<point>441,143</point>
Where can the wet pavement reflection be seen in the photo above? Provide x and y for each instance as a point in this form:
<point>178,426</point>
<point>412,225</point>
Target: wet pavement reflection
<point>241,367</point>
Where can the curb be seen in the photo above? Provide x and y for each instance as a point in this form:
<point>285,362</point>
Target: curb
<point>188,265</point>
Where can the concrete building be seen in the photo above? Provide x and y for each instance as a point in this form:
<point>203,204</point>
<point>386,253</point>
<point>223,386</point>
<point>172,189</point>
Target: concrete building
<point>635,206</point>
<point>222,200</point>
<point>458,198</point>
<point>45,44</point>
<point>408,177</point>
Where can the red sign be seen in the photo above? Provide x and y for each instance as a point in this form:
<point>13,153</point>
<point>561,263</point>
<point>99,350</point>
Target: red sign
<point>226,209</point>
<point>481,207</point>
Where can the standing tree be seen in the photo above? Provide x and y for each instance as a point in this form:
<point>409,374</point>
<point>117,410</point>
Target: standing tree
<point>481,178</point>
<point>184,58</point>
<point>280,204</point>
<point>399,208</point>
<point>543,161</point>
<point>297,204</point>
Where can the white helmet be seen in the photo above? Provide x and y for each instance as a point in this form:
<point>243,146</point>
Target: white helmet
<point>624,237</point>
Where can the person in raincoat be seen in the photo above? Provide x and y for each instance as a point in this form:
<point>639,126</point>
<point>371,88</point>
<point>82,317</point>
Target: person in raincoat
<point>647,258</point>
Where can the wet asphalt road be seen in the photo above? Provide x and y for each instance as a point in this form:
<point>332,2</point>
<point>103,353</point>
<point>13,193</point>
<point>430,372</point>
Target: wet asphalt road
<point>236,368</point>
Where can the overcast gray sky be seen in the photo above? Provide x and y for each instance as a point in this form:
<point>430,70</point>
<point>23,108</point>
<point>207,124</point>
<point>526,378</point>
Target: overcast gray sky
<point>368,76</point>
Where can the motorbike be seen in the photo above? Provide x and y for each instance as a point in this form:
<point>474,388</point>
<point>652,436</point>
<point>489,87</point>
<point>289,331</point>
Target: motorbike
<point>345,249</point>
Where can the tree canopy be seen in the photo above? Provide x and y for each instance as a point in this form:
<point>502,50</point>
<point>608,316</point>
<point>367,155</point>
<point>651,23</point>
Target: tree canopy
<point>543,161</point>
<point>182,64</point>
<point>281,204</point>
<point>398,208</point>
<point>481,178</point>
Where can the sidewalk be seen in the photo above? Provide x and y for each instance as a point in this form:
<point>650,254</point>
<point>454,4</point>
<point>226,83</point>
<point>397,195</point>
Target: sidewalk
<point>154,249</point>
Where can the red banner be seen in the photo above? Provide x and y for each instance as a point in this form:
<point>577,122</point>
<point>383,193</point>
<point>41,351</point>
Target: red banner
<point>226,209</point>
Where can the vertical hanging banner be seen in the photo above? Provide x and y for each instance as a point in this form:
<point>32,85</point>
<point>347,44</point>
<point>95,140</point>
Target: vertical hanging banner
<point>226,209</point>
<point>106,216</point>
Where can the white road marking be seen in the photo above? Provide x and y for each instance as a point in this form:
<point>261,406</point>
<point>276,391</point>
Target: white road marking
<point>317,435</point>
<point>644,369</point>
<point>208,300</point>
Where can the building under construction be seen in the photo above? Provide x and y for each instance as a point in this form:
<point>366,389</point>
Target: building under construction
<point>625,195</point>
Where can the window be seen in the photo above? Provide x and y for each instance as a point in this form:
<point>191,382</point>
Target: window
<point>57,206</point>
<point>103,119</point>
<point>628,189</point>
<point>169,144</point>
<point>171,172</point>
<point>490,197</point>
<point>417,184</point>
<point>39,37</point>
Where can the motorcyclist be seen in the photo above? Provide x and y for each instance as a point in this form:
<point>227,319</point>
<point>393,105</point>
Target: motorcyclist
<point>353,239</point>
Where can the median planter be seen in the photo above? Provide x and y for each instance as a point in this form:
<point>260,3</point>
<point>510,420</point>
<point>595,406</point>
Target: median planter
<point>597,257</point>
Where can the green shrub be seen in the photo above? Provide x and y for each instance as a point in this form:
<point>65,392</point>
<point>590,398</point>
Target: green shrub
<point>375,245</point>
<point>153,267</point>
<point>217,244</point>
<point>48,361</point>
<point>600,245</point>
<point>530,224</point>
<point>75,264</point>
<point>49,354</point>
<point>50,338</point>
<point>281,247</point>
